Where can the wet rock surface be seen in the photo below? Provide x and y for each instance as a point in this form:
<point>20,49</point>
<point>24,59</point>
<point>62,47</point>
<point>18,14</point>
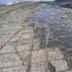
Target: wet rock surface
<point>36,40</point>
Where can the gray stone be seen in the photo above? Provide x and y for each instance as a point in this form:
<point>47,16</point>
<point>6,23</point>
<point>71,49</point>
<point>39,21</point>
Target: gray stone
<point>7,60</point>
<point>14,69</point>
<point>38,56</point>
<point>38,67</point>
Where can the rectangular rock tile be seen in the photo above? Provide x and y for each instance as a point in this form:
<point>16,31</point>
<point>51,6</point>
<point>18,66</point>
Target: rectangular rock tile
<point>36,44</point>
<point>7,49</point>
<point>38,67</point>
<point>25,47</point>
<point>38,56</point>
<point>9,30</point>
<point>55,53</point>
<point>56,58</point>
<point>60,65</point>
<point>25,56</point>
<point>7,60</point>
<point>12,31</point>
<point>13,69</point>
<point>22,36</point>
<point>20,41</point>
<point>16,37</point>
<point>4,38</point>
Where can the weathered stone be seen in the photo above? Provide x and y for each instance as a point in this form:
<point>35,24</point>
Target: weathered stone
<point>4,39</point>
<point>7,60</point>
<point>69,71</point>
<point>25,47</point>
<point>36,44</point>
<point>38,67</point>
<point>25,58</point>
<point>27,36</point>
<point>14,69</point>
<point>7,49</point>
<point>38,56</point>
<point>28,30</point>
<point>56,58</point>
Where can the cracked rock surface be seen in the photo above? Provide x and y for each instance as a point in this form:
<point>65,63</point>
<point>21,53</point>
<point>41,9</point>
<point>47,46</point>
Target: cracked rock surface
<point>35,38</point>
